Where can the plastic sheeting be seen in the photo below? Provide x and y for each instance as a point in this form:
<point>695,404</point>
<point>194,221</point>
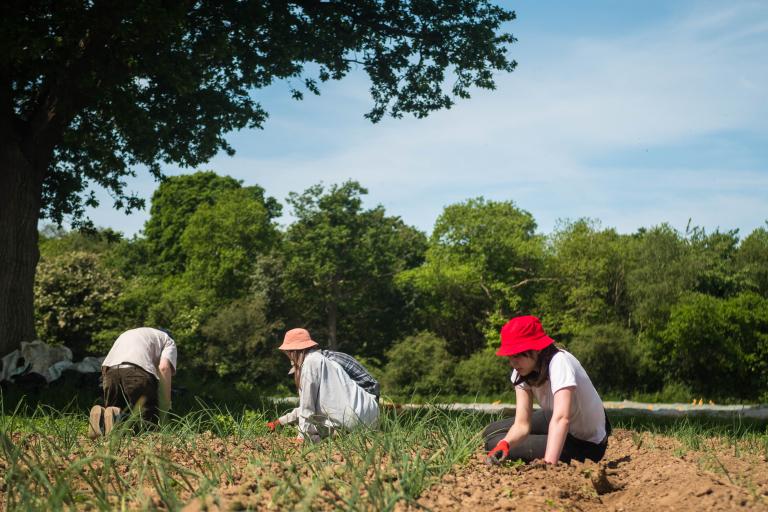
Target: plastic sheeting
<point>49,361</point>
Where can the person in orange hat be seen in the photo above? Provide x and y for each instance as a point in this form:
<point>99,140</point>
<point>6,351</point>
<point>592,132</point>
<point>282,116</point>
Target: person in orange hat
<point>335,391</point>
<point>571,423</point>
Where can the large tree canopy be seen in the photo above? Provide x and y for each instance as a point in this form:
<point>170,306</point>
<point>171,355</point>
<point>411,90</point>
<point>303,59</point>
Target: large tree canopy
<point>341,261</point>
<point>92,91</point>
<point>482,265</point>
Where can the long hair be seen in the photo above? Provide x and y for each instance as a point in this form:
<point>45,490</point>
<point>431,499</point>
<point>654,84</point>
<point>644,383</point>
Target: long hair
<point>540,373</point>
<point>297,360</point>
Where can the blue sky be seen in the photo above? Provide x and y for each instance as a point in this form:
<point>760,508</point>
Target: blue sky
<point>633,113</point>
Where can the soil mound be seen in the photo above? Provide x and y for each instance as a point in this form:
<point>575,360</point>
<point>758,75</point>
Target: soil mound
<point>640,472</point>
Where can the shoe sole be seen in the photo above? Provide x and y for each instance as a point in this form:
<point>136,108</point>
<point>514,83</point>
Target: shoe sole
<point>95,422</point>
<point>110,418</point>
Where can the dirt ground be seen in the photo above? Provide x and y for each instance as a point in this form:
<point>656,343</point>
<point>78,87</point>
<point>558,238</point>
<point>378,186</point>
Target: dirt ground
<point>640,472</point>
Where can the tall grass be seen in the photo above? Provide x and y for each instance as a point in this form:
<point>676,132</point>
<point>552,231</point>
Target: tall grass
<point>711,434</point>
<point>212,453</point>
<point>48,463</point>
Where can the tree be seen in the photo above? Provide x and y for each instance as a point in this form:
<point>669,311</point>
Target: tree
<point>718,346</point>
<point>341,261</point>
<point>92,91</point>
<point>481,267</point>
<point>222,241</point>
<point>212,254</point>
<point>240,344</point>
<point>611,356</point>
<point>588,271</point>
<point>661,270</point>
<point>55,241</point>
<point>713,256</point>
<point>751,259</point>
<point>174,204</point>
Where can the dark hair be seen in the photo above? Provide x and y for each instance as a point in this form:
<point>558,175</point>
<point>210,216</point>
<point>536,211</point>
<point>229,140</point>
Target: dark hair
<point>166,331</point>
<point>540,373</point>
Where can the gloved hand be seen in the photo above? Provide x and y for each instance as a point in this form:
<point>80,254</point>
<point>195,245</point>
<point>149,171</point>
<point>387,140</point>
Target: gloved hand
<point>273,425</point>
<point>499,453</point>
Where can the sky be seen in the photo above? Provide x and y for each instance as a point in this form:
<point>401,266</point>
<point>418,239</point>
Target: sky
<point>630,113</point>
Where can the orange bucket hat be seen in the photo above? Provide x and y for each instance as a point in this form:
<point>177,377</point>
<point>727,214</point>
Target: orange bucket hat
<point>297,339</point>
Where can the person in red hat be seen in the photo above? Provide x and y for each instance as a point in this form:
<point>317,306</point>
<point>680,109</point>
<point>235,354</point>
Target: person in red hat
<point>571,423</point>
<point>335,391</point>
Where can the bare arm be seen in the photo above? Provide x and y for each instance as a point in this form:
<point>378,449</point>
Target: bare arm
<point>166,375</point>
<point>523,411</point>
<point>558,425</point>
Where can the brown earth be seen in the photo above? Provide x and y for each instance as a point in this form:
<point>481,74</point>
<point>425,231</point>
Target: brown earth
<point>641,472</point>
<point>638,473</point>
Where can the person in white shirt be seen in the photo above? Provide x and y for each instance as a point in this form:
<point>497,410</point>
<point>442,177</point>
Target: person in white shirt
<point>571,423</point>
<point>136,372</point>
<point>329,399</point>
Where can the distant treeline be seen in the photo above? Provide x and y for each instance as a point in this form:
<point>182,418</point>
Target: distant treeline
<point>656,311</point>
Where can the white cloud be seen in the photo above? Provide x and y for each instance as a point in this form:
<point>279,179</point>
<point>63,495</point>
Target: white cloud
<point>573,99</point>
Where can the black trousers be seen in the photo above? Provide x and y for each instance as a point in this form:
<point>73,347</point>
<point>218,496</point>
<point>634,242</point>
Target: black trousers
<point>535,445</point>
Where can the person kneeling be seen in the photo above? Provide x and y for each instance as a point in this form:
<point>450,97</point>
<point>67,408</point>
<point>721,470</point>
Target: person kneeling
<point>136,373</point>
<point>571,423</point>
<point>335,391</point>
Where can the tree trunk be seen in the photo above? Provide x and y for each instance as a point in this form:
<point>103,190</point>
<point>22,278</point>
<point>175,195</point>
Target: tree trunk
<point>20,200</point>
<point>333,315</point>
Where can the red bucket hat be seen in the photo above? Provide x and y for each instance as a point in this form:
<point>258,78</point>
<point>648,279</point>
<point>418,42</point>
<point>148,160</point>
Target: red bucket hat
<point>523,333</point>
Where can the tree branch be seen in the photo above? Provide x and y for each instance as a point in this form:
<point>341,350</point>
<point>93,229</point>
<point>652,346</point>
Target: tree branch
<point>534,279</point>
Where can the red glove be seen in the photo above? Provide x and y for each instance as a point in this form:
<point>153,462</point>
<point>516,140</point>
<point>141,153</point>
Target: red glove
<point>273,425</point>
<point>500,453</point>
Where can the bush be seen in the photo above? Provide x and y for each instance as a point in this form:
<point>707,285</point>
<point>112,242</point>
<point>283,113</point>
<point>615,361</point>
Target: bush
<point>130,310</point>
<point>610,355</point>
<point>75,296</point>
<point>483,373</point>
<point>241,344</point>
<point>718,346</point>
<point>672,392</point>
<point>419,365</point>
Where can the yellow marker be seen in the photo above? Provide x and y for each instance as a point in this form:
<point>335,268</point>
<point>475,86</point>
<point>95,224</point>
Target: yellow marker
<point>701,401</point>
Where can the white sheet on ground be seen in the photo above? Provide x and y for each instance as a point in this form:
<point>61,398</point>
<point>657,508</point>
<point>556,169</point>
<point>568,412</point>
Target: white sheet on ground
<point>46,360</point>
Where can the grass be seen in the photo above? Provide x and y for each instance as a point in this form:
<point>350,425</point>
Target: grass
<point>709,437</point>
<point>210,452</point>
<point>734,431</point>
<point>48,463</point>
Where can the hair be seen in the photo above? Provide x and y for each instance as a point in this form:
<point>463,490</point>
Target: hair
<point>297,361</point>
<point>540,373</point>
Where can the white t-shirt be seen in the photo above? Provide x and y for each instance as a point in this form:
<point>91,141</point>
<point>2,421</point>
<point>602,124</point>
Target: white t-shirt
<point>143,347</point>
<point>587,420</point>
